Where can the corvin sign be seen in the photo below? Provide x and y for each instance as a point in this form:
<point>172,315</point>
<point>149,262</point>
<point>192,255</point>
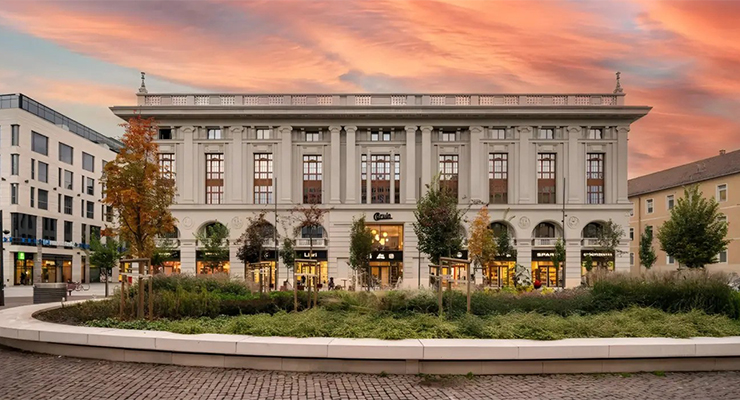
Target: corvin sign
<point>382,216</point>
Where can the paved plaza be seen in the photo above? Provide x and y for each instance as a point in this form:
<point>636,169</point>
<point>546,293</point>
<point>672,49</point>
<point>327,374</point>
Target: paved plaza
<point>28,376</point>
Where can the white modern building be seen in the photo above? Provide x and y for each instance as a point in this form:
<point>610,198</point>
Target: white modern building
<point>550,165</point>
<point>50,166</point>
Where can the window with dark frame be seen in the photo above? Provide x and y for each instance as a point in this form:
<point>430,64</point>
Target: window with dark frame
<point>498,133</point>
<point>448,169</point>
<point>397,178</point>
<point>33,197</point>
<point>90,210</point>
<point>33,169</point>
<point>88,162</point>
<point>595,178</point>
<point>595,133</point>
<point>91,186</point>
<point>167,165</point>
<point>68,180</point>
<point>39,143</point>
<point>15,160</point>
<point>363,178</point>
<point>214,178</point>
<point>263,175</point>
<point>214,133</point>
<point>165,133</point>
<point>43,199</point>
<point>13,193</point>
<point>546,186</point>
<point>380,178</point>
<point>312,179</point>
<point>43,172</point>
<point>498,178</point>
<point>313,136</point>
<point>68,229</point>
<point>546,133</point>
<point>380,136</point>
<point>264,133</point>
<point>447,136</point>
<point>14,134</point>
<point>66,153</point>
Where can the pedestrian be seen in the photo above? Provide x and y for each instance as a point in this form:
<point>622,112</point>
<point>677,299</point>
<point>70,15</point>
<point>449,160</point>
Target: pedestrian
<point>331,283</point>
<point>23,278</point>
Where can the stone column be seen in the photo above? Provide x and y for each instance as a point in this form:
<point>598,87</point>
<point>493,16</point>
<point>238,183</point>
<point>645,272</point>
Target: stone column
<point>426,156</point>
<point>524,253</point>
<point>235,265</point>
<point>576,167</point>
<point>411,178</point>
<point>187,256</point>
<point>235,166</point>
<point>477,168</point>
<point>336,164</point>
<point>527,167</point>
<point>285,162</point>
<point>621,173</point>
<point>573,262</point>
<point>622,258</point>
<point>38,257</point>
<point>351,176</point>
<point>186,167</point>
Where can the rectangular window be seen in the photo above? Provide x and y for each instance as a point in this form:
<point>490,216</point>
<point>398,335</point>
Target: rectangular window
<point>68,205</point>
<point>165,133</point>
<point>66,154</point>
<point>68,229</point>
<point>13,193</point>
<point>670,260</point>
<point>14,134</point>
<point>43,199</point>
<point>546,178</point>
<point>498,133</point>
<point>214,133</point>
<point>380,178</point>
<point>313,136</point>
<point>214,178</point>
<point>363,178</point>
<point>263,178</point>
<point>312,176</point>
<point>649,206</point>
<point>33,169</point>
<point>595,178</point>
<point>722,192</point>
<point>33,197</point>
<point>448,169</point>
<point>546,133</point>
<point>90,210</point>
<point>167,165</point>
<point>722,257</point>
<point>82,208</point>
<point>397,178</point>
<point>59,203</point>
<point>498,178</point>
<point>39,143</point>
<point>380,136</point>
<point>632,258</point>
<point>447,136</point>
<point>68,180</point>
<point>632,234</point>
<point>595,133</point>
<point>82,184</point>
<point>43,172</point>
<point>108,214</point>
<point>91,186</point>
<point>670,202</point>
<point>88,162</point>
<point>15,160</point>
<point>263,133</point>
<point>83,236</point>
<point>49,229</point>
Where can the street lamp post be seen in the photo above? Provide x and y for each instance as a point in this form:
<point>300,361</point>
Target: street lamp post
<point>2,262</point>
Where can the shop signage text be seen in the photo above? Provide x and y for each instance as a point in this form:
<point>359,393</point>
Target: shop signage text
<point>597,254</point>
<point>382,216</point>
<point>386,256</point>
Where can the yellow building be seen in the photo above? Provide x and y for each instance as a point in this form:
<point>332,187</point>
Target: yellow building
<point>654,195</point>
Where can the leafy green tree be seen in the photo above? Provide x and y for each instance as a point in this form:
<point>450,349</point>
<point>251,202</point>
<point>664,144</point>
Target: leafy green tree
<point>287,253</point>
<point>214,242</point>
<point>695,233</point>
<point>609,237</point>
<point>162,251</point>
<point>558,259</point>
<point>439,222</point>
<point>504,246</point>
<point>360,249</point>
<point>647,252</point>
<point>252,241</point>
<point>105,256</point>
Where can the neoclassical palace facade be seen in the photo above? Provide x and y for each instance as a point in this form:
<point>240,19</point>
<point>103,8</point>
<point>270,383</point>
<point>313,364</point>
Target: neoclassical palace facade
<point>548,165</point>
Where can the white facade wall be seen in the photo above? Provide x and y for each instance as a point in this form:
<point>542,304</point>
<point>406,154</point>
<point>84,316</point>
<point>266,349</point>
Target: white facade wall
<point>415,138</point>
<point>27,123</point>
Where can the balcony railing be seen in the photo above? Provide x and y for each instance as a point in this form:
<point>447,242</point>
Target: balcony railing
<point>544,242</point>
<point>160,242</point>
<point>317,242</point>
<point>372,100</point>
<point>589,242</point>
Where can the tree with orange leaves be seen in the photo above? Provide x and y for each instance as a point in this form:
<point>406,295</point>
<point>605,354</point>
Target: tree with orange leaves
<point>482,243</point>
<point>138,190</point>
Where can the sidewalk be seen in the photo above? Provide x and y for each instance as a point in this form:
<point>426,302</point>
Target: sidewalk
<point>96,290</point>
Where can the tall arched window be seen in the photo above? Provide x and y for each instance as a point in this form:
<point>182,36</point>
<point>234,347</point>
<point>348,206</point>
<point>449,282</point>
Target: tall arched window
<point>592,230</point>
<point>545,230</point>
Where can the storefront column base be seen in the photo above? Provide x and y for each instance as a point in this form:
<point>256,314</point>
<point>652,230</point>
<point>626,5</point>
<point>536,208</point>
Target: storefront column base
<point>187,256</point>
<point>572,263</point>
<point>236,269</point>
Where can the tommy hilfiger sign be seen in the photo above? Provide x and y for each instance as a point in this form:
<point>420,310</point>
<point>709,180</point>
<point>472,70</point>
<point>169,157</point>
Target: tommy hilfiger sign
<point>382,216</point>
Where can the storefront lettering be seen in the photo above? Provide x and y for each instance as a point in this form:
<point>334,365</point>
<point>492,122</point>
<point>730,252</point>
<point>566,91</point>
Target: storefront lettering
<point>386,255</point>
<point>382,216</point>
<point>545,254</point>
<point>308,254</point>
<point>594,254</point>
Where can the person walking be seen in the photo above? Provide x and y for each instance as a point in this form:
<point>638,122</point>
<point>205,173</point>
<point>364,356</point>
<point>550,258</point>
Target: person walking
<point>331,283</point>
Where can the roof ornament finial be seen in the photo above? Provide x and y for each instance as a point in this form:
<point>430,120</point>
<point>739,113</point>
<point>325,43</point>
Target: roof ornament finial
<point>142,89</point>
<point>618,89</point>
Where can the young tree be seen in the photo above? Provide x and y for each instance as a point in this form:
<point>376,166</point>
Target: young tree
<point>558,259</point>
<point>214,242</point>
<point>482,243</point>
<point>609,237</point>
<point>647,252</point>
<point>161,254</point>
<point>360,248</point>
<point>695,233</point>
<point>252,241</point>
<point>137,189</point>
<point>439,222</point>
<point>287,253</point>
<point>105,256</point>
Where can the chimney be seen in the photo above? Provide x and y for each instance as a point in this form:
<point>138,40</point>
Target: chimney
<point>722,152</point>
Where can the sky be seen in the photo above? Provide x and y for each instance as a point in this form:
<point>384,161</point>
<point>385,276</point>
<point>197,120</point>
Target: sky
<point>680,57</point>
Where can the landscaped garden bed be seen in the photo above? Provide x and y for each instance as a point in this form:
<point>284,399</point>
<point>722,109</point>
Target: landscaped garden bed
<point>655,305</point>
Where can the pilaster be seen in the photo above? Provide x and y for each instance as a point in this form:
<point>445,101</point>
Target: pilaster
<point>187,165</point>
<point>410,161</point>
<point>187,256</point>
<point>477,169</point>
<point>527,163</point>
<point>621,172</point>
<point>351,176</point>
<point>285,165</point>
<point>572,263</point>
<point>426,156</point>
<point>236,266</point>
<point>524,252</point>
<point>576,163</point>
<point>336,164</point>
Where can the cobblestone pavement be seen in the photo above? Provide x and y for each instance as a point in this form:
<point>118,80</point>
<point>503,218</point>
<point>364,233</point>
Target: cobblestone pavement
<point>32,376</point>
